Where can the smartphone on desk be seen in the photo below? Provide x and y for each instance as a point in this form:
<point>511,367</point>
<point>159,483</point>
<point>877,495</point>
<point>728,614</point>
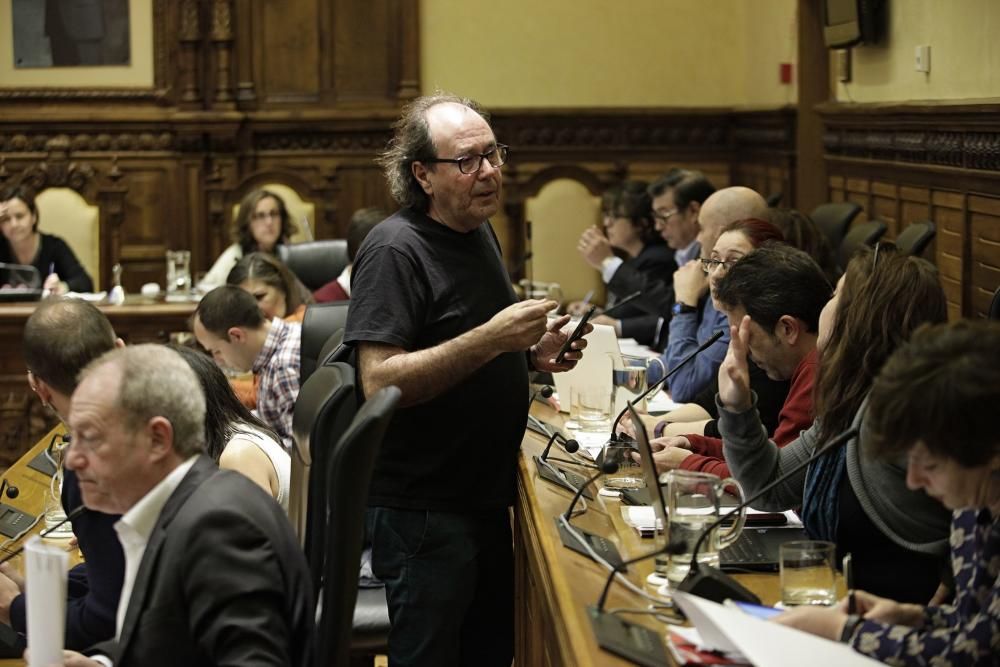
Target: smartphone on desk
<point>576,335</point>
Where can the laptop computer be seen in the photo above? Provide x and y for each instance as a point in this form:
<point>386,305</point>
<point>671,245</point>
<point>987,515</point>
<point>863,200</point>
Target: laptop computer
<point>19,282</point>
<point>756,549</point>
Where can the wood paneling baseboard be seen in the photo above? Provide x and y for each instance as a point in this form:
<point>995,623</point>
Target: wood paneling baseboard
<point>938,162</point>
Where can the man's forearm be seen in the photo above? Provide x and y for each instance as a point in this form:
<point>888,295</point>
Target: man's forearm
<point>425,374</point>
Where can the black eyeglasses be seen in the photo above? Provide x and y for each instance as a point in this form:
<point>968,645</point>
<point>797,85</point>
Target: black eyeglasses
<point>664,216</point>
<point>470,164</point>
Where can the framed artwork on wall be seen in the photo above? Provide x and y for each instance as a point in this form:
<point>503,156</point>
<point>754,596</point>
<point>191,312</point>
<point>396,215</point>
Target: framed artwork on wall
<point>79,49</point>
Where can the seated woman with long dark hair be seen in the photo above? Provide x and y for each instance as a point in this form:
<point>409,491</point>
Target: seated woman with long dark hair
<point>934,403</point>
<point>234,438</point>
<point>898,537</point>
<point>262,223</point>
<point>278,292</point>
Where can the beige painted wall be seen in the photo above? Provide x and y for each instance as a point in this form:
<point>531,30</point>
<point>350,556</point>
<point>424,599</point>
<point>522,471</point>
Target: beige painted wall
<point>965,54</point>
<point>621,53</point>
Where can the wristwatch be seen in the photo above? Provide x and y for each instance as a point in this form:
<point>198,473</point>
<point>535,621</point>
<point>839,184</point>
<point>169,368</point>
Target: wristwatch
<point>681,308</point>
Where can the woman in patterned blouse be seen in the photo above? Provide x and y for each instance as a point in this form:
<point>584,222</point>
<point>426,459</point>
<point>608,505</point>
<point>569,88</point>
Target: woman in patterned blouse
<point>936,400</point>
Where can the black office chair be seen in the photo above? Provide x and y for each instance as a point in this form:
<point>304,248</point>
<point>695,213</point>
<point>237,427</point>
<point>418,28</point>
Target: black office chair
<point>834,219</point>
<point>994,313</point>
<point>335,341</point>
<point>347,476</point>
<point>861,234</point>
<point>321,321</point>
<point>326,404</point>
<point>317,262</point>
<point>774,199</point>
<point>915,238</point>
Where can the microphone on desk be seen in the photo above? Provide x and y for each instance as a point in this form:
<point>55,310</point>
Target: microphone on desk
<point>45,533</point>
<point>569,444</point>
<point>686,360</point>
<point>545,391</point>
<point>9,490</point>
<point>711,583</point>
<point>618,304</point>
<point>606,468</point>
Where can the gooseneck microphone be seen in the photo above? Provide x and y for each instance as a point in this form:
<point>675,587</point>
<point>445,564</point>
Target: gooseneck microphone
<point>686,360</point>
<point>618,304</point>
<point>544,391</point>
<point>48,531</point>
<point>607,468</point>
<point>668,549</point>
<point>9,490</point>
<point>569,444</point>
<point>711,583</point>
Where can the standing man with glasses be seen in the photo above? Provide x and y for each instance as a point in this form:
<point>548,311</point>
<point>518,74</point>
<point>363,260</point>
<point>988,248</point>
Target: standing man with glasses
<point>433,313</point>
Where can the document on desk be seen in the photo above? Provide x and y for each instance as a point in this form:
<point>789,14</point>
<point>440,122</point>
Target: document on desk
<point>763,642</point>
<point>45,567</point>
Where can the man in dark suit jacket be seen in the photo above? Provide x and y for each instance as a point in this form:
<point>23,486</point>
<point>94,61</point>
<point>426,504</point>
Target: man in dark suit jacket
<point>214,574</point>
<point>60,338</point>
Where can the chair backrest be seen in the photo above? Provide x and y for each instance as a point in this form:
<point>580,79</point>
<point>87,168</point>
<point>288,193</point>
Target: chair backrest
<point>994,313</point>
<point>329,347</point>
<point>834,219</point>
<point>775,198</point>
<point>64,213</point>
<point>916,237</point>
<point>861,234</point>
<point>324,409</point>
<point>321,321</point>
<point>315,263</point>
<point>303,213</point>
<point>348,476</point>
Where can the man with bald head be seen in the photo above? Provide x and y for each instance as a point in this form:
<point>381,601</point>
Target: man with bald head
<point>433,313</point>
<point>695,319</point>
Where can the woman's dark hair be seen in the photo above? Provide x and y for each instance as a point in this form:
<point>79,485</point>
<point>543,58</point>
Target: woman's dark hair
<point>631,200</point>
<point>27,195</point>
<point>757,231</point>
<point>241,225</point>
<point>225,416</point>
<point>942,388</point>
<point>886,295</point>
<point>801,232</point>
<point>273,273</point>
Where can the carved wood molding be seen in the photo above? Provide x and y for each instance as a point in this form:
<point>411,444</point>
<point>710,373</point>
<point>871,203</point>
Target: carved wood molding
<point>966,136</point>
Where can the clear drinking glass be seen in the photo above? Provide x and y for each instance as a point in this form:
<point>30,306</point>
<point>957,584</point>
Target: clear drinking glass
<point>595,407</point>
<point>629,474</point>
<point>54,513</point>
<point>808,573</point>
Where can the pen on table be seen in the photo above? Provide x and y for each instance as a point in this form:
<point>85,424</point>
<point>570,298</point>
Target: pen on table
<point>848,564</point>
<point>587,297</point>
<point>52,268</point>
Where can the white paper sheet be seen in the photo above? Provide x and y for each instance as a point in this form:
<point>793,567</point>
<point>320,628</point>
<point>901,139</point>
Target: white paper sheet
<point>45,568</point>
<point>764,643</point>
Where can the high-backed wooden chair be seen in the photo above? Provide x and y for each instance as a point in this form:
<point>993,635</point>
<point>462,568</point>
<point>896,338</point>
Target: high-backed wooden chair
<point>64,213</point>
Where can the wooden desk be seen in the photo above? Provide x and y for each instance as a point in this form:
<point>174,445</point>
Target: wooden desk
<point>33,487</point>
<point>23,419</point>
<point>555,585</point>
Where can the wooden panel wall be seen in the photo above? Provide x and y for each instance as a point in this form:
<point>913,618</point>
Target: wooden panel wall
<point>905,163</point>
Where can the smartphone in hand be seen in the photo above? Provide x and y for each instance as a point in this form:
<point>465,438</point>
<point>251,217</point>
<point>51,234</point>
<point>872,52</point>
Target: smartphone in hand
<point>576,335</point>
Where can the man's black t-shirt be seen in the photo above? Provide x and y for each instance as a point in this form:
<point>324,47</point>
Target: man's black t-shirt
<point>415,284</point>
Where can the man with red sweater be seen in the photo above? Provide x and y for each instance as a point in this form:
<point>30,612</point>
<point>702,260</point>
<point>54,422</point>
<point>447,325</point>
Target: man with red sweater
<point>783,291</point>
